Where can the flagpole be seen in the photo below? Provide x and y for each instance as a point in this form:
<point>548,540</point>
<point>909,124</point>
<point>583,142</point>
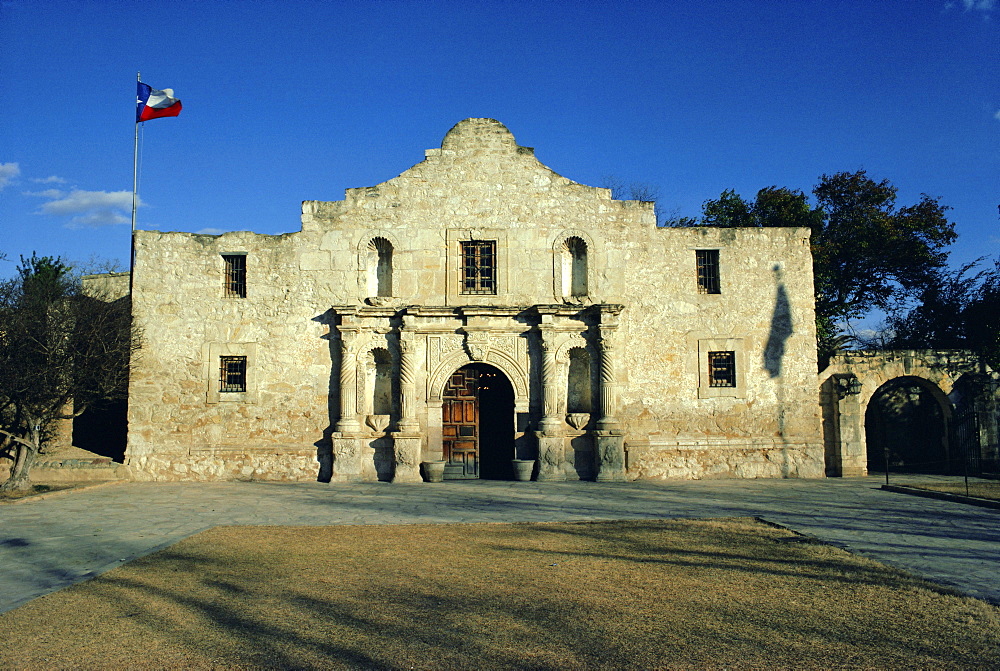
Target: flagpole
<point>135,162</point>
<point>149,104</point>
<point>135,189</point>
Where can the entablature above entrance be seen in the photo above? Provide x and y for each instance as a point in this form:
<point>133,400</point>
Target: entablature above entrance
<point>414,316</point>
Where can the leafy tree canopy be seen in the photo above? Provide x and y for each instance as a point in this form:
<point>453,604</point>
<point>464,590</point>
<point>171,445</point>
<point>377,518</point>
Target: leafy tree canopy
<point>60,352</point>
<point>868,253</point>
<point>956,310</point>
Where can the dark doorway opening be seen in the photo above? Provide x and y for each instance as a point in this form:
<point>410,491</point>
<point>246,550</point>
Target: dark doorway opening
<point>103,429</point>
<point>478,424</point>
<point>905,429</point>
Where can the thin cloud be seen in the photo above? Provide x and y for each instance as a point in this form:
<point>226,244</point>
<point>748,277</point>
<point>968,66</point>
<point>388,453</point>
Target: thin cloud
<point>51,179</point>
<point>89,209</point>
<point>984,6</point>
<point>51,194</point>
<point>210,231</point>
<point>8,172</point>
<point>979,5</point>
<point>99,218</point>
<point>997,115</point>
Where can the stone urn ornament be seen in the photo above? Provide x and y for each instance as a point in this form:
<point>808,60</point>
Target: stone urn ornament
<point>578,420</point>
<point>377,423</point>
<point>433,471</point>
<point>523,468</point>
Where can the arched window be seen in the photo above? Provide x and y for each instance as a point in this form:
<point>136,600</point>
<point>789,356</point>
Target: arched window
<point>578,386</point>
<point>574,268</point>
<point>379,267</point>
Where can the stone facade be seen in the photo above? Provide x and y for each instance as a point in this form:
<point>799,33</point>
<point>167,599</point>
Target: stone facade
<point>620,360</point>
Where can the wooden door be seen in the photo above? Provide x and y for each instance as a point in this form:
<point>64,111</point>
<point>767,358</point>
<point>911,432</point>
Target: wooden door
<point>460,425</point>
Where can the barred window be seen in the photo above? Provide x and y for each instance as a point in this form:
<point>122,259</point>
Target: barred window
<point>708,271</point>
<point>235,279</point>
<point>722,369</point>
<point>232,373</point>
<point>479,272</point>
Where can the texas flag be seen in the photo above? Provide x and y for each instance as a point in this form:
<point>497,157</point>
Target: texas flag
<point>153,104</point>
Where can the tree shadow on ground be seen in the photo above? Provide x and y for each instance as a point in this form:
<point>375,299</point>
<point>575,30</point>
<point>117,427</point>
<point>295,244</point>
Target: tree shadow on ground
<point>595,595</point>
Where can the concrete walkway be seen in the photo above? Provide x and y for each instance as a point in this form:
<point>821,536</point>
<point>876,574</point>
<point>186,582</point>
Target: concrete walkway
<point>50,543</point>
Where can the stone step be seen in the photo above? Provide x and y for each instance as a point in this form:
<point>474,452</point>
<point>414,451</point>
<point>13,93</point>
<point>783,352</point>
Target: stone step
<point>74,463</point>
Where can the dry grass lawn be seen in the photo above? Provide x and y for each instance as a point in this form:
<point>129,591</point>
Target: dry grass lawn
<point>982,490</point>
<point>734,593</point>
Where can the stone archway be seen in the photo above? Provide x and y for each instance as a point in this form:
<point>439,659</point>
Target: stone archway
<point>477,424</point>
<point>853,379</point>
<point>906,428</point>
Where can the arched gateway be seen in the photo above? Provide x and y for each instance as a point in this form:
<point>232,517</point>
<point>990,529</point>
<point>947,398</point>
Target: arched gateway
<point>477,424</point>
<point>931,411</point>
<point>906,428</point>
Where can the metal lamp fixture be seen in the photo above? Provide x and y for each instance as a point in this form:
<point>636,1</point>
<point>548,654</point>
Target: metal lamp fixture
<point>848,386</point>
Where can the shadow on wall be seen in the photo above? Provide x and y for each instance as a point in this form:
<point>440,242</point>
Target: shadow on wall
<point>103,430</point>
<point>324,446</point>
<point>781,328</point>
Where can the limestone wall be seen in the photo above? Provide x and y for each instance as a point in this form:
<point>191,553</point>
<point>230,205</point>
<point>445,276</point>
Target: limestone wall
<point>106,286</point>
<point>478,186</point>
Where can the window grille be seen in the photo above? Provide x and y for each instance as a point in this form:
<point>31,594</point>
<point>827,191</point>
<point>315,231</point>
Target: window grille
<point>722,369</point>
<point>708,271</point>
<point>232,374</point>
<point>236,275</point>
<point>479,267</point>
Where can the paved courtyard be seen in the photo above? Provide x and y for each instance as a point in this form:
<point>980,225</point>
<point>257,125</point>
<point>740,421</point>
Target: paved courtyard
<point>53,542</point>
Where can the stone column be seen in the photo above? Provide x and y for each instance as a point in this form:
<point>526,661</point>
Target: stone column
<point>348,383</point>
<point>989,424</point>
<point>551,442</point>
<point>608,392</point>
<point>853,444</point>
<point>406,441</point>
<point>407,385</point>
<point>609,438</point>
<point>346,439</point>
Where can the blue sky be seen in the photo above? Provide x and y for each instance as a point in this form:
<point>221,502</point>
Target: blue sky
<point>298,100</point>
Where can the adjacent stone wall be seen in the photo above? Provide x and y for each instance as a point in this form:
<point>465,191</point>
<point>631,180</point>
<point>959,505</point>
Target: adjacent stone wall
<point>478,186</point>
<point>106,286</point>
<point>940,371</point>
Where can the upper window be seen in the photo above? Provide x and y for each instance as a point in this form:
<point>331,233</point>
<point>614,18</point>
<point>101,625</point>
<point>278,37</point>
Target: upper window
<point>232,374</point>
<point>380,267</point>
<point>708,271</point>
<point>235,279</point>
<point>722,369</point>
<point>479,267</point>
<point>575,267</point>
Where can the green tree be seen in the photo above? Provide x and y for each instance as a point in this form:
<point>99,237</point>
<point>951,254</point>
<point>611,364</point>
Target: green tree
<point>868,253</point>
<point>956,310</point>
<point>60,352</point>
<point>982,319</point>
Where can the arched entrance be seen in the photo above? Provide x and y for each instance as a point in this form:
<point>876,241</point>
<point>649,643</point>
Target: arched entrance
<point>906,428</point>
<point>477,422</point>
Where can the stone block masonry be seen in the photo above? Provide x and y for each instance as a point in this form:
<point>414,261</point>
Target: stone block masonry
<point>614,359</point>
